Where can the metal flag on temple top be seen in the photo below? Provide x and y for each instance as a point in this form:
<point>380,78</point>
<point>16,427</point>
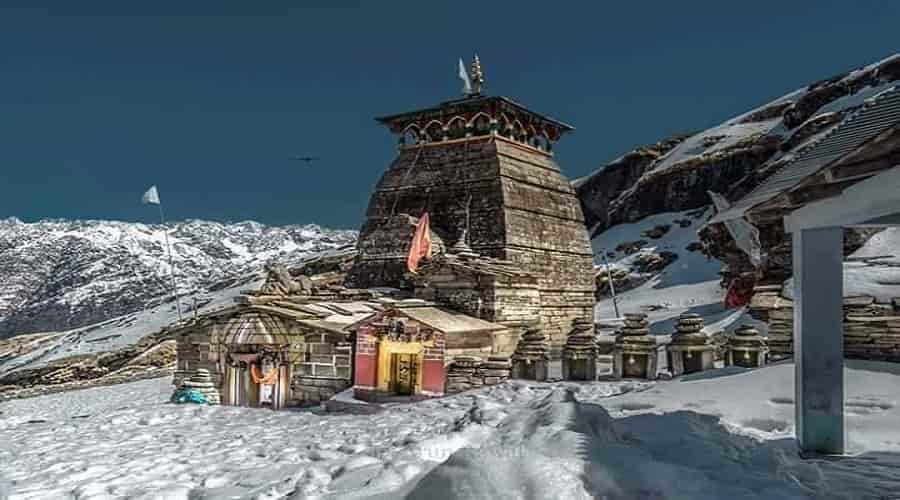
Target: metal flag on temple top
<point>151,196</point>
<point>421,244</point>
<point>464,76</point>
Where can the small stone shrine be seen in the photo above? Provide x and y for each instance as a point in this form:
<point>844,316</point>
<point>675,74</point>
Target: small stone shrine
<point>401,352</point>
<point>690,350</point>
<point>283,344</point>
<point>202,382</point>
<point>634,353</point>
<point>531,361</point>
<point>747,348</point>
<point>580,352</point>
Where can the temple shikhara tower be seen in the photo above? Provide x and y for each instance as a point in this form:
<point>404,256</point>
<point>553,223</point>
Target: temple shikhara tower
<point>501,212</point>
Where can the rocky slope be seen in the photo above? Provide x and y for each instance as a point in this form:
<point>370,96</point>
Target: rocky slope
<point>675,174</point>
<point>59,274</point>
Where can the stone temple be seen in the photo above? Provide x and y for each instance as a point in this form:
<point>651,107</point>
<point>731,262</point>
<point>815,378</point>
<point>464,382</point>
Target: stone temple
<point>483,168</point>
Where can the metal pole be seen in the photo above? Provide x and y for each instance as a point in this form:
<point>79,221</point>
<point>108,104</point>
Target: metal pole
<point>171,262</point>
<point>612,288</point>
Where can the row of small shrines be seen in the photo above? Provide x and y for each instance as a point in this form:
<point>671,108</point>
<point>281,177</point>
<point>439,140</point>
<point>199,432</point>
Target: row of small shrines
<point>635,353</point>
<point>404,360</point>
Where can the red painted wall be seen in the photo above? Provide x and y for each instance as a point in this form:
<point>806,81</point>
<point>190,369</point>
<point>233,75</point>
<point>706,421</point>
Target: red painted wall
<point>365,370</point>
<point>365,361</point>
<point>433,376</point>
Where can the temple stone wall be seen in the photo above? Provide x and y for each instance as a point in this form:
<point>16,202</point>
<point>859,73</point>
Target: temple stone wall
<point>323,371</point>
<point>522,210</point>
<point>194,350</point>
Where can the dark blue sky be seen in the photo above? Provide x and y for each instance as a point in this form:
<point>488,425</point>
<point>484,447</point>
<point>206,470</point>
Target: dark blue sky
<point>208,99</point>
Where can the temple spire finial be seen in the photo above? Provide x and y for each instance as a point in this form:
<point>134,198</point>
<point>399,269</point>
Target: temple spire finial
<point>477,76</point>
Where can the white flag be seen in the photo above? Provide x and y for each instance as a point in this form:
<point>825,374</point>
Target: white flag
<point>464,76</point>
<point>746,235</point>
<point>151,196</point>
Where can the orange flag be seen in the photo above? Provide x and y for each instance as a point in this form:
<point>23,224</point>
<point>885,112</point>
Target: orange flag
<point>421,244</point>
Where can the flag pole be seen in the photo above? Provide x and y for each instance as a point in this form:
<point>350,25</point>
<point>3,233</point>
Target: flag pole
<point>162,219</point>
<point>612,288</point>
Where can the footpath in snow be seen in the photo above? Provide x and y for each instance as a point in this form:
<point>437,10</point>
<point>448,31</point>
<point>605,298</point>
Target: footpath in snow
<point>721,434</point>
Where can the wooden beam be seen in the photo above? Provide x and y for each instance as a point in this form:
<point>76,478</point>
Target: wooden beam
<point>851,171</point>
<point>815,192</point>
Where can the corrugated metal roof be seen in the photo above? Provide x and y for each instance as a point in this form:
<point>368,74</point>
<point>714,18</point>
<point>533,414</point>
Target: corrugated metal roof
<point>882,113</point>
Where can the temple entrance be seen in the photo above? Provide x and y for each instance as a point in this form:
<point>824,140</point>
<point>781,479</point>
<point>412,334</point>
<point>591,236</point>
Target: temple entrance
<point>404,373</point>
<point>693,362</point>
<point>636,366</point>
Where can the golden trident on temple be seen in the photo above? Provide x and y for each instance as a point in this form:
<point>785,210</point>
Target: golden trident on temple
<point>477,76</point>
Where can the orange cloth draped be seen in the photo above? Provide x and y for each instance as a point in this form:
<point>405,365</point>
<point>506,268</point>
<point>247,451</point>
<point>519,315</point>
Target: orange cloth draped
<point>421,244</point>
<point>259,378</point>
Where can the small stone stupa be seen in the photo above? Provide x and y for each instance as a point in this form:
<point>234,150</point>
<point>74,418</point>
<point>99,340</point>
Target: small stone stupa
<point>580,352</point>
<point>531,360</point>
<point>202,382</point>
<point>634,353</point>
<point>462,249</point>
<point>691,350</point>
<point>747,348</point>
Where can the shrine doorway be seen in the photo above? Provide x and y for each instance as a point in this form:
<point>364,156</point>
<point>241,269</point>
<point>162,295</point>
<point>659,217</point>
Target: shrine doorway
<point>400,367</point>
<point>256,381</point>
<point>404,373</point>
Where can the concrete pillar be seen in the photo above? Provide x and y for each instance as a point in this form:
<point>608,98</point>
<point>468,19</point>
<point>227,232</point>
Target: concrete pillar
<point>819,339</point>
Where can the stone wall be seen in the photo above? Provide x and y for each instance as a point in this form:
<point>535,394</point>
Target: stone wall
<point>324,370</point>
<point>195,350</point>
<point>470,372</point>
<point>871,330</point>
<point>490,289</point>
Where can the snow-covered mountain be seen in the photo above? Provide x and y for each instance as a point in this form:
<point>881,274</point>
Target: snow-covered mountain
<point>61,274</point>
<point>675,173</point>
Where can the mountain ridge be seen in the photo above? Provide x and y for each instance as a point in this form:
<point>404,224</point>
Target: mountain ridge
<point>61,274</point>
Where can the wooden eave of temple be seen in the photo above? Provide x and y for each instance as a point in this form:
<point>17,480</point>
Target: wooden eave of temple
<point>309,314</point>
<point>469,108</point>
<point>505,118</point>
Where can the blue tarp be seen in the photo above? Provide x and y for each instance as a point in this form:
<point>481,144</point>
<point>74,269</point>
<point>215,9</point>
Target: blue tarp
<point>188,396</point>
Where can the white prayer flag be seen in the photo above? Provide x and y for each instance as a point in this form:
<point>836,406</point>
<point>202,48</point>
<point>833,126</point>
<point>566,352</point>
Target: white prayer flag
<point>151,196</point>
<point>464,76</point>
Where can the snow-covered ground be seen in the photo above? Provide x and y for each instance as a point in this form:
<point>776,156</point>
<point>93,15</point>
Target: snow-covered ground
<point>722,434</point>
